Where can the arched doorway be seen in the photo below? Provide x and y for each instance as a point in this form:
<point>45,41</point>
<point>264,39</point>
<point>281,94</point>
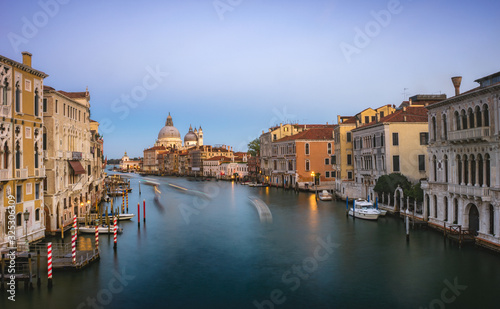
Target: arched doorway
<point>473,219</point>
<point>48,227</point>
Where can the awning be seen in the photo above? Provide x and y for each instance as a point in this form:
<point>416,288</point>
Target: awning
<point>77,167</point>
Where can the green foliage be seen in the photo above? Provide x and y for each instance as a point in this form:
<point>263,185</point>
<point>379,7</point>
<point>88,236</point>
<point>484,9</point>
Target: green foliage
<point>254,147</point>
<point>389,183</point>
<point>415,192</point>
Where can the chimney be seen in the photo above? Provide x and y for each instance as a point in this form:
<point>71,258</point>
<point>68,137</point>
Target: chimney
<point>338,119</point>
<point>26,58</point>
<point>357,122</point>
<point>377,117</point>
<point>404,118</point>
<point>456,80</point>
<point>404,108</point>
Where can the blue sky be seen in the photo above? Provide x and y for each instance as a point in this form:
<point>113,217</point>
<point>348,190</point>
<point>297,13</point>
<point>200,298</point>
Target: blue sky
<point>235,67</point>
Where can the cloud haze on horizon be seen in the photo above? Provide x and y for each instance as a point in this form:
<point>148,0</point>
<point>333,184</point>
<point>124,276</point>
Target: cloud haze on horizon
<point>256,64</point>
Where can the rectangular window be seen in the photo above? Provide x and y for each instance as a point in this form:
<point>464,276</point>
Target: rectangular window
<point>334,174</point>
<point>349,175</point>
<point>424,138</point>
<point>421,162</point>
<point>348,137</point>
<point>37,191</point>
<point>57,103</point>
<point>373,118</point>
<point>334,159</point>
<point>88,169</point>
<point>395,163</point>
<point>44,141</point>
<point>64,109</point>
<point>327,161</point>
<point>367,119</point>
<point>382,140</point>
<point>349,159</point>
<point>327,174</point>
<point>29,189</point>
<point>19,193</point>
<point>44,105</point>
<point>274,137</point>
<point>395,139</point>
<point>381,114</point>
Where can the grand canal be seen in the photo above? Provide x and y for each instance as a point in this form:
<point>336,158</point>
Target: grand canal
<point>211,250</point>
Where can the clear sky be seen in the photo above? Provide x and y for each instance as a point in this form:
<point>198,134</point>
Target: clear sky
<point>236,67</point>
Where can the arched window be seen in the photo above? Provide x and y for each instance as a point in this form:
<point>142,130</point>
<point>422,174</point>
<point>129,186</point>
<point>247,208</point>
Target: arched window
<point>445,128</point>
<point>466,170</point>
<point>492,220</point>
<point>487,162</point>
<point>472,170</point>
<point>435,207</point>
<point>19,220</point>
<point>329,148</point>
<point>18,156</point>
<point>36,155</point>
<point>434,135</point>
<point>445,208</point>
<point>479,116</point>
<point>464,119</point>
<point>480,166</point>
<point>486,115</point>
<point>307,148</point>
<point>459,170</point>
<point>37,214</point>
<point>445,168</point>
<point>471,118</point>
<point>5,97</point>
<point>457,121</point>
<point>18,98</point>
<point>455,212</point>
<point>307,165</point>
<point>434,167</point>
<point>36,103</point>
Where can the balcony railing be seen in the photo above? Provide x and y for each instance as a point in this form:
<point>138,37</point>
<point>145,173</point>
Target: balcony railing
<point>40,172</point>
<point>22,173</point>
<point>5,111</point>
<point>470,190</point>
<point>469,134</point>
<point>4,174</point>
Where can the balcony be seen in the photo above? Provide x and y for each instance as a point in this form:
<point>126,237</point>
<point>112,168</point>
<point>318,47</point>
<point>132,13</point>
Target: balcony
<point>40,172</point>
<point>5,111</point>
<point>22,173</point>
<point>4,174</point>
<point>59,154</point>
<point>469,134</point>
<point>482,193</point>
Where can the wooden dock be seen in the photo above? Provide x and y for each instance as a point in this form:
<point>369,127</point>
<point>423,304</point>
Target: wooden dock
<point>83,259</point>
<point>457,233</point>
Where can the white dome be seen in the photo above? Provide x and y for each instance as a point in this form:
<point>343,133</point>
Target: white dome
<point>169,135</point>
<point>169,132</point>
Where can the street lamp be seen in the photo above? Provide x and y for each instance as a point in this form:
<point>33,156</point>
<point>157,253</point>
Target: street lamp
<point>80,210</point>
<point>312,175</point>
<point>26,218</point>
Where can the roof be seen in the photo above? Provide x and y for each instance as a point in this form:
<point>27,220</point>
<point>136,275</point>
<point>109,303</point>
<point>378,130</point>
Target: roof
<point>74,95</point>
<point>156,148</point>
<point>348,119</point>
<point>324,133</point>
<point>219,158</point>
<point>407,114</point>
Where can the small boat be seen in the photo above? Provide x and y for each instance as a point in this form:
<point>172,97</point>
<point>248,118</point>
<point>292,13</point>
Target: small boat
<point>325,196</point>
<point>382,212</point>
<point>257,185</point>
<point>121,217</point>
<point>103,229</point>
<point>364,210</point>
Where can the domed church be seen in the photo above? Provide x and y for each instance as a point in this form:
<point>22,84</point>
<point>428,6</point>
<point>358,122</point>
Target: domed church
<point>170,137</point>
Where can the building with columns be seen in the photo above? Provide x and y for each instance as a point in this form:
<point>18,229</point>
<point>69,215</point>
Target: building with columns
<point>463,186</point>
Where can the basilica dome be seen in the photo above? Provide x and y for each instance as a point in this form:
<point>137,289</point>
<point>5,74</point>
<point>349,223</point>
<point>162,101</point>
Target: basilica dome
<point>190,136</point>
<point>169,135</point>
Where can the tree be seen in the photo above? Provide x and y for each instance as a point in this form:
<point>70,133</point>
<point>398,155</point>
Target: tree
<point>254,147</point>
<point>389,183</point>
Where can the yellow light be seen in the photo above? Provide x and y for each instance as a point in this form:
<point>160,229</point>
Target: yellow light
<point>88,201</point>
<point>312,174</point>
<point>81,204</point>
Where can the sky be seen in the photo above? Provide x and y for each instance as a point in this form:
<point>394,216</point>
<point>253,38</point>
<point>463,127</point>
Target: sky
<point>237,67</point>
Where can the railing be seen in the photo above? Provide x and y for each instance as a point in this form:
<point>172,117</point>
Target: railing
<point>4,174</point>
<point>469,190</point>
<point>22,173</point>
<point>40,172</point>
<point>475,133</point>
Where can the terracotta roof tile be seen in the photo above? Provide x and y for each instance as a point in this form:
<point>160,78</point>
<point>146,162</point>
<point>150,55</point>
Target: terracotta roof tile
<point>324,133</point>
<point>74,95</point>
<point>411,113</point>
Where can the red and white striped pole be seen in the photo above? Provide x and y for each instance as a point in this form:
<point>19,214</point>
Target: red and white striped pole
<point>115,231</point>
<point>138,214</point>
<point>49,263</point>
<point>74,225</point>
<point>73,246</point>
<point>97,237</point>
<point>144,209</point>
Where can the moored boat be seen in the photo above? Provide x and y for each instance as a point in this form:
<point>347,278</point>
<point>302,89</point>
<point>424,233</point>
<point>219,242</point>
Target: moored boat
<point>121,217</point>
<point>103,229</point>
<point>364,210</point>
<point>325,196</point>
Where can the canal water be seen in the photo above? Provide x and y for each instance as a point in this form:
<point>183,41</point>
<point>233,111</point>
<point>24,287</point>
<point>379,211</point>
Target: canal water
<point>206,247</point>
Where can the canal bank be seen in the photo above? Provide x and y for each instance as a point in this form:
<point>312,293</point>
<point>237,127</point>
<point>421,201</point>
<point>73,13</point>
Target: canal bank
<point>205,247</point>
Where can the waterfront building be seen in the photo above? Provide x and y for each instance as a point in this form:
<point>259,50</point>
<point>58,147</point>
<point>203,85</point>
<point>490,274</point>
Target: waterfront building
<point>97,163</point>
<point>21,150</point>
<point>463,186</point>
<point>303,159</point>
<point>150,160</point>
<point>211,167</point>
<point>235,169</point>
<point>73,157</point>
<point>343,157</point>
<point>129,165</point>
<point>254,168</point>
<point>396,143</point>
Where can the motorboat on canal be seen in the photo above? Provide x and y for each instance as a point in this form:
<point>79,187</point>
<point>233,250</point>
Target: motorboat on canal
<point>325,196</point>
<point>121,217</point>
<point>364,210</point>
<point>103,229</point>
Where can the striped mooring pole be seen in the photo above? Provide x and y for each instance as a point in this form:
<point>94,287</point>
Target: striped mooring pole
<point>144,210</point>
<point>97,237</point>
<point>123,201</point>
<point>115,231</point>
<point>74,225</point>
<point>73,245</point>
<point>49,263</point>
<point>139,214</point>
<point>127,200</point>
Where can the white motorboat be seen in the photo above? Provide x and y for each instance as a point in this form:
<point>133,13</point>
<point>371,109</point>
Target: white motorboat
<point>103,229</point>
<point>121,217</point>
<point>382,212</point>
<point>364,210</point>
<point>325,196</point>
